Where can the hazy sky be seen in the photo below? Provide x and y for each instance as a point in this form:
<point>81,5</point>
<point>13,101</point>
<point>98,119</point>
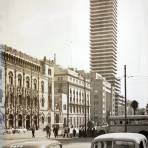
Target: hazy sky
<point>45,27</point>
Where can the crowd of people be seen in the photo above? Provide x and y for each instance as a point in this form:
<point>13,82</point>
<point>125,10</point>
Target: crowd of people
<point>81,132</point>
<point>69,132</point>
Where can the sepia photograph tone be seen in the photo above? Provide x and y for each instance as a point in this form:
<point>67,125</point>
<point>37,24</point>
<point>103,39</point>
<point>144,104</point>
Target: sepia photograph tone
<point>73,73</point>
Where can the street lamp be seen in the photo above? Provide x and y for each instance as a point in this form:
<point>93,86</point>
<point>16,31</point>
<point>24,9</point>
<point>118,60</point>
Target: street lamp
<point>125,98</point>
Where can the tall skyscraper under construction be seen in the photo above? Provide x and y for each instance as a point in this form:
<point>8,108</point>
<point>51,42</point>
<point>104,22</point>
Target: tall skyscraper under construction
<point>103,39</point>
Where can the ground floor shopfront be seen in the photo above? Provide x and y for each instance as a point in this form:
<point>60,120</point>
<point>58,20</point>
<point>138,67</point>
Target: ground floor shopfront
<point>26,121</point>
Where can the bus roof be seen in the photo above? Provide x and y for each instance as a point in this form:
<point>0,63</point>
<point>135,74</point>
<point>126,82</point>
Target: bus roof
<point>129,117</point>
<point>121,136</point>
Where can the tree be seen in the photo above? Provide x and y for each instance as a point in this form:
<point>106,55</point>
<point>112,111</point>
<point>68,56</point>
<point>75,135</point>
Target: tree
<point>134,105</point>
<point>90,124</point>
<point>147,109</point>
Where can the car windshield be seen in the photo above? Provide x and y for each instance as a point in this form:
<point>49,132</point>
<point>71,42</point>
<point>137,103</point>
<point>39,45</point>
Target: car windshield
<point>103,144</point>
<point>115,144</point>
<point>124,144</point>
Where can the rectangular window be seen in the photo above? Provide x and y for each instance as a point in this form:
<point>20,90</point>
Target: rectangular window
<point>64,107</point>
<point>49,71</point>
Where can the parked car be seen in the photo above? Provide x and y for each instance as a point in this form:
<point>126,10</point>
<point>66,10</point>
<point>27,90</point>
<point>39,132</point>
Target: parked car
<point>120,140</point>
<point>20,130</point>
<point>13,131</point>
<point>35,144</point>
<point>8,131</point>
<point>2,131</point>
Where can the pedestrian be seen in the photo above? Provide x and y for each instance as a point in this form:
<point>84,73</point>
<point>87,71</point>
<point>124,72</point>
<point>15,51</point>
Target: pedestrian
<point>71,132</point>
<point>56,131</point>
<point>74,132</point>
<point>80,131</point>
<point>66,131</point>
<point>93,132</point>
<point>33,131</point>
<point>48,131</point>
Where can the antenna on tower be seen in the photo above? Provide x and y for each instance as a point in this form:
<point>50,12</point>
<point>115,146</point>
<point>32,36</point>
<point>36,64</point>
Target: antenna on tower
<point>55,58</point>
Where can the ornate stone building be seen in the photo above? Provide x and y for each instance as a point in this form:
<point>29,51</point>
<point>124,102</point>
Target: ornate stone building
<point>29,90</point>
<point>2,87</point>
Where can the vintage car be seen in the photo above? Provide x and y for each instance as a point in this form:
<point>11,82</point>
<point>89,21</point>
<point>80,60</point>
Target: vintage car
<point>34,144</point>
<point>120,140</point>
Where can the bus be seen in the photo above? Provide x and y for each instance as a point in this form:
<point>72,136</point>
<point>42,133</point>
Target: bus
<point>135,123</point>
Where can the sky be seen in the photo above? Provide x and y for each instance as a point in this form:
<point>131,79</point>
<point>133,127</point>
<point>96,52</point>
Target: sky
<point>42,28</point>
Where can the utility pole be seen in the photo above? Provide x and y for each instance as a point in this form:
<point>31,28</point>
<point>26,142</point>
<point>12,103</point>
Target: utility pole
<point>68,104</point>
<point>125,98</point>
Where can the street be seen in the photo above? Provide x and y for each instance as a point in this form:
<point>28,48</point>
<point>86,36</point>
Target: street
<point>75,142</point>
<point>41,136</point>
<point>77,145</point>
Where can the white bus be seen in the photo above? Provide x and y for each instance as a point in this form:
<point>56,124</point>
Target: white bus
<point>135,123</point>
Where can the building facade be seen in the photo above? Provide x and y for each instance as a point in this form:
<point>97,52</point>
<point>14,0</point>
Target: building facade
<point>102,97</point>
<point>29,90</point>
<point>103,19</point>
<point>76,87</point>
<point>119,105</point>
<point>2,87</point>
<point>103,41</point>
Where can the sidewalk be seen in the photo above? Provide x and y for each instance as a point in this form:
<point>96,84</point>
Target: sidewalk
<point>27,135</point>
<point>38,134</point>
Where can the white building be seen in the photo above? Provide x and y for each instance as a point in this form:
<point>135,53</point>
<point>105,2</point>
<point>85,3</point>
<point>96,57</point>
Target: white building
<point>77,89</point>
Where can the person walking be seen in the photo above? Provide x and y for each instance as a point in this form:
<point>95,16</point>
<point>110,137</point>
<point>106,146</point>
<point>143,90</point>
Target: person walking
<point>71,132</point>
<point>56,131</point>
<point>33,131</point>
<point>74,132</point>
<point>66,131</point>
<point>48,131</point>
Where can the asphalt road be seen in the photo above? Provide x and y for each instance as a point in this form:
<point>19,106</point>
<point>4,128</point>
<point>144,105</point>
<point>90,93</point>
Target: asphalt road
<point>78,145</point>
<point>76,142</point>
<point>41,136</point>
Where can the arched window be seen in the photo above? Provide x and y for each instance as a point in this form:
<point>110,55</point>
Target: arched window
<point>35,101</point>
<point>70,95</point>
<point>27,82</point>
<point>19,80</point>
<point>28,101</point>
<point>74,95</point>
<point>42,102</point>
<point>80,96</point>
<point>42,86</point>
<point>10,78</point>
<point>42,119</point>
<point>35,84</point>
<point>11,99</point>
<point>77,95</point>
<point>70,91</point>
<point>20,99</point>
